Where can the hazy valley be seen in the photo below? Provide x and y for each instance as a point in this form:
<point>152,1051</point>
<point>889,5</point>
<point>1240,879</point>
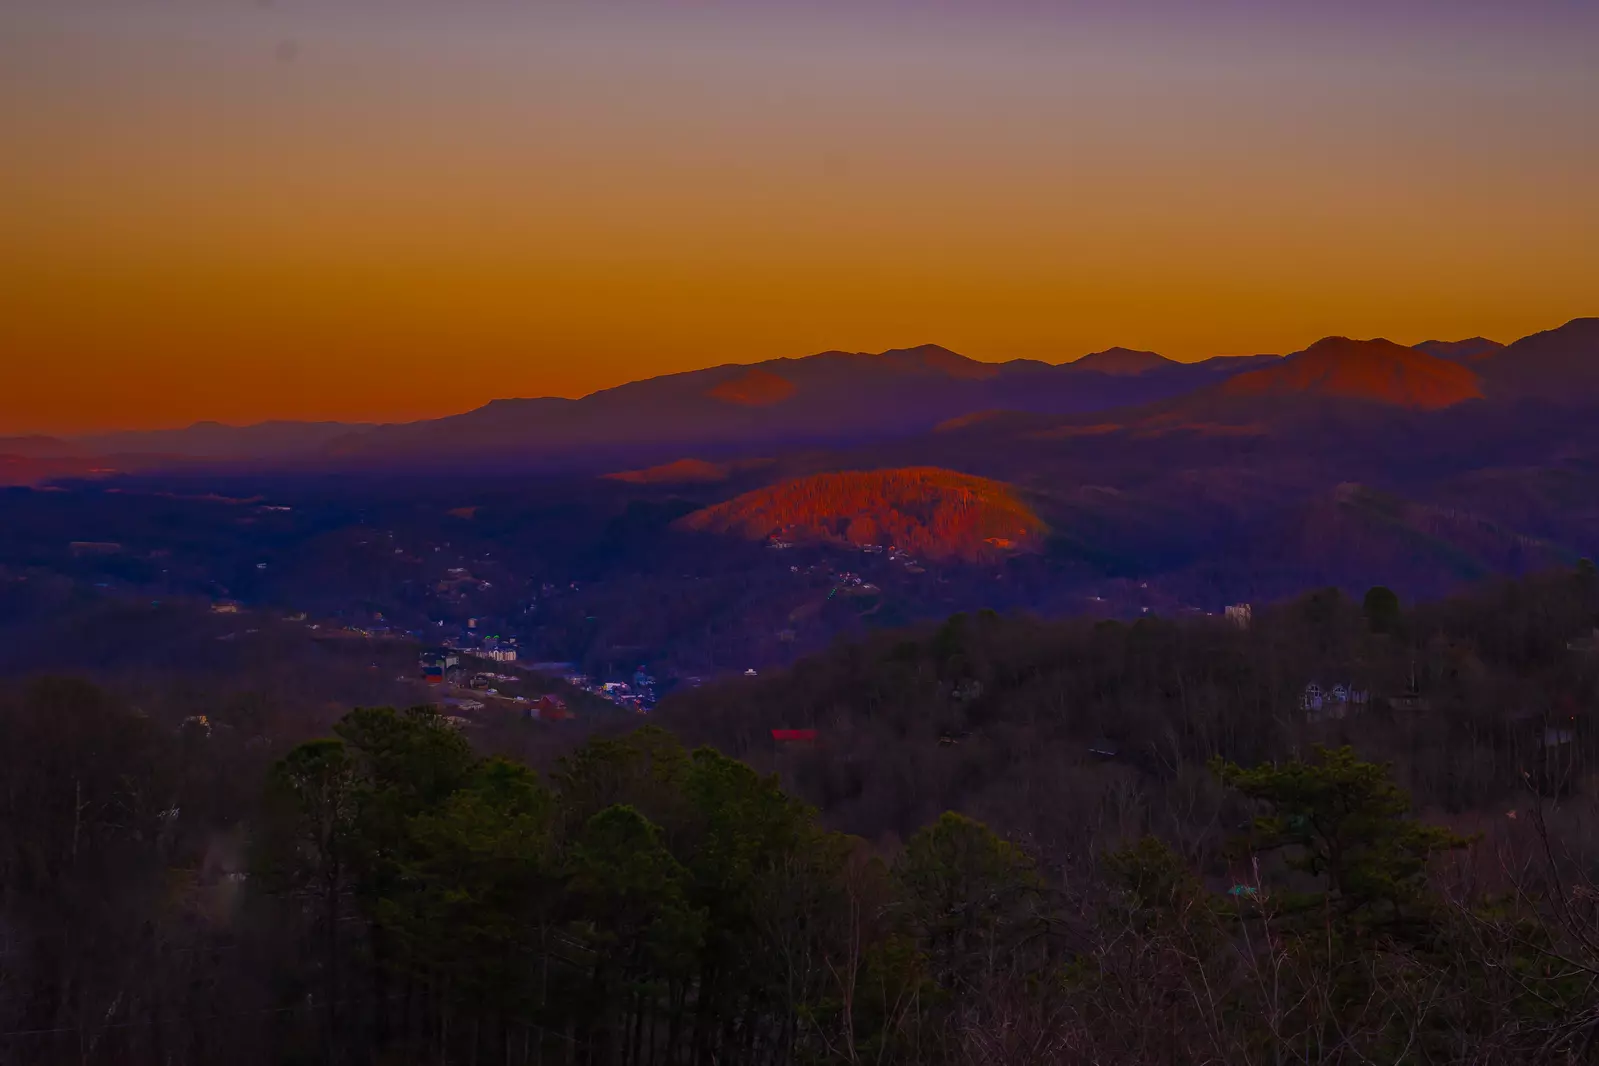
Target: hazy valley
<point>902,586</point>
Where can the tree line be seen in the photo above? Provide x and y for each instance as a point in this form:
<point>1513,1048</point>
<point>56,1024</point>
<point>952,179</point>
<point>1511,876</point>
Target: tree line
<point>409,901</point>
<point>1238,890</point>
<point>1075,734</point>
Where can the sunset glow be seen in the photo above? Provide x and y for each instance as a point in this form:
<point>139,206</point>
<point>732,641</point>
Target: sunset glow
<point>382,211</point>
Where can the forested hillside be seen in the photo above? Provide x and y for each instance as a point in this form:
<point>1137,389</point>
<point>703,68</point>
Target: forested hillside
<point>1001,716</point>
<point>1162,853</point>
<point>940,514</point>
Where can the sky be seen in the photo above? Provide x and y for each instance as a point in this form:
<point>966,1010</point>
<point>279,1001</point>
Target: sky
<point>381,210</point>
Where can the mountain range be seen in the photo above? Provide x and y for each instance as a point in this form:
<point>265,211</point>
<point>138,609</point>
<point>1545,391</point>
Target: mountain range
<point>642,520</point>
<point>1470,350</point>
<point>842,399</point>
<point>824,400</point>
<point>1376,371</point>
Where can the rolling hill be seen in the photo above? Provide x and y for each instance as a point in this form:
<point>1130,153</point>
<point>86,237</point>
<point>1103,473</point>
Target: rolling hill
<point>687,472</point>
<point>925,511</point>
<point>1122,362</point>
<point>1377,371</point>
<point>1558,366</point>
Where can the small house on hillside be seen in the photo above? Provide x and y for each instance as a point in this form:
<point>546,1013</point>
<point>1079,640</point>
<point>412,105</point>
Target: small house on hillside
<point>1321,704</point>
<point>549,708</point>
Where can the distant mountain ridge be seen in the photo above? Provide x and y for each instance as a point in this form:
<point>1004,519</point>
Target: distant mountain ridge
<point>687,472</point>
<point>828,399</point>
<point>840,399</point>
<point>1122,362</point>
<point>1559,366</point>
<point>217,440</point>
<point>38,446</point>
<point>1378,371</point>
<point>34,459</point>
<point>1470,350</point>
<point>1350,462</point>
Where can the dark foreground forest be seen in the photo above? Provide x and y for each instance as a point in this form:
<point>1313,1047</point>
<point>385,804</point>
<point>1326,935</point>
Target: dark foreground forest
<point>1165,854</point>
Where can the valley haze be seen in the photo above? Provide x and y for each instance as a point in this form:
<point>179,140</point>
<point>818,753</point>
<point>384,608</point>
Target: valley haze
<point>1120,483</point>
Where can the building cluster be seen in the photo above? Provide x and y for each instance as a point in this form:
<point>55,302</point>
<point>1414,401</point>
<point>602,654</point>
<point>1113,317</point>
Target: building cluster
<point>549,708</point>
<point>458,581</point>
<point>637,694</point>
<point>472,640</point>
<point>1548,737</point>
<point>445,667</point>
<point>437,665</point>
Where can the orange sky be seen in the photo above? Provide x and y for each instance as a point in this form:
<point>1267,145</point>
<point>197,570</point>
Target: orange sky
<point>393,210</point>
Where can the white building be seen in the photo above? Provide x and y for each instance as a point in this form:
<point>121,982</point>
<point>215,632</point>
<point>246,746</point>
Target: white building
<point>1322,704</point>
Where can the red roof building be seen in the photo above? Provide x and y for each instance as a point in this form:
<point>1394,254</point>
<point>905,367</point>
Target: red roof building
<point>551,709</point>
